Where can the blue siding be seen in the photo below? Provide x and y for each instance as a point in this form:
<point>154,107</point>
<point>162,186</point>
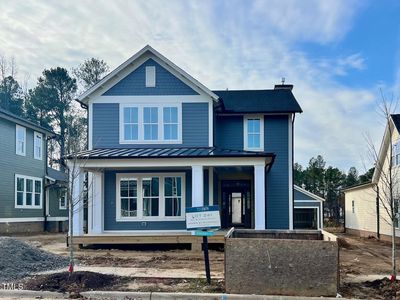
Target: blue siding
<point>110,222</point>
<point>301,196</point>
<point>106,127</point>
<point>276,141</point>
<point>135,83</point>
<point>229,132</point>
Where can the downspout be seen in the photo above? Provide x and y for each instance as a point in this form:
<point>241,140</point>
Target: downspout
<point>294,117</point>
<point>378,234</point>
<point>46,186</point>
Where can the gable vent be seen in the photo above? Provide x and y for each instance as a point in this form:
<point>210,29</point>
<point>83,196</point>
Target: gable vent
<point>150,76</point>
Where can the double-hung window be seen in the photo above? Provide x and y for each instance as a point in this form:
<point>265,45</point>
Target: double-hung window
<point>37,145</point>
<point>153,197</point>
<point>144,124</point>
<point>63,199</point>
<point>20,138</point>
<point>28,192</point>
<point>254,133</point>
<point>396,154</point>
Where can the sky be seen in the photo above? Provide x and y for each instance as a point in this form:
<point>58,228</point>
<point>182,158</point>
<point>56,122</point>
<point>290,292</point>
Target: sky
<point>341,56</point>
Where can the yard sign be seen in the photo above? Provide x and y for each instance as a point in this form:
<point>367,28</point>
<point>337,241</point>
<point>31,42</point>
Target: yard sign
<point>203,218</point>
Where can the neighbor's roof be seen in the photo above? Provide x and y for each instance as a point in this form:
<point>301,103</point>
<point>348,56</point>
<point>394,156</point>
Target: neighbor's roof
<point>396,121</point>
<point>56,174</point>
<point>256,101</point>
<point>309,194</point>
<point>358,186</point>
<point>190,152</point>
<point>24,122</point>
<point>130,63</point>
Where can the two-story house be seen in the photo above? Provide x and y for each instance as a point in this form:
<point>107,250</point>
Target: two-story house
<point>31,195</point>
<point>160,141</point>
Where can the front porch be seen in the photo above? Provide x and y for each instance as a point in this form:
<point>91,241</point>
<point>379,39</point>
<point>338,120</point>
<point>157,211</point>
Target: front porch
<point>143,201</point>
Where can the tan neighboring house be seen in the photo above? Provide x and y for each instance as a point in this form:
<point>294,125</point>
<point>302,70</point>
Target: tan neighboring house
<point>365,214</point>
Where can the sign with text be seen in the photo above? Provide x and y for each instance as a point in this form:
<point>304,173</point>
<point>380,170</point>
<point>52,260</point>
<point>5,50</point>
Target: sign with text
<point>203,217</point>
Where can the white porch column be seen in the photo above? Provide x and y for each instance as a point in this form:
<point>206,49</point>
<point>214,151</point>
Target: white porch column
<point>197,186</point>
<point>97,203</point>
<point>259,195</point>
<point>77,176</point>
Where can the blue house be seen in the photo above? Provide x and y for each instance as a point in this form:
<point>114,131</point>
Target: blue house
<point>160,141</point>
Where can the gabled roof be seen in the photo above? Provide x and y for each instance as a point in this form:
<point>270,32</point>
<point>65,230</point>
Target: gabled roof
<point>256,101</point>
<point>24,122</point>
<point>309,194</point>
<point>396,121</point>
<point>127,64</point>
<point>358,186</point>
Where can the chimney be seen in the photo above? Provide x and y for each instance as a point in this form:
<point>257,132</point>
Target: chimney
<point>283,86</point>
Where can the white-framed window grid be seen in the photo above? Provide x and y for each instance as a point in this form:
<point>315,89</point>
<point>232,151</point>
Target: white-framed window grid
<point>138,198</point>
<point>37,145</point>
<point>63,199</point>
<point>20,140</point>
<point>161,125</point>
<point>396,153</point>
<point>150,76</point>
<point>253,134</point>
<point>28,192</point>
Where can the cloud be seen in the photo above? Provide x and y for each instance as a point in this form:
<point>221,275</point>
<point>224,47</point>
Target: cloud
<point>224,44</point>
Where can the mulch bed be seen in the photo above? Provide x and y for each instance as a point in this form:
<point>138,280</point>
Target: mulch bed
<point>377,289</point>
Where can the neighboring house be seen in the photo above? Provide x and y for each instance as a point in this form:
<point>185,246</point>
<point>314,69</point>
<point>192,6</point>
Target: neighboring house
<point>308,210</point>
<point>28,189</point>
<point>160,141</point>
<point>365,215</point>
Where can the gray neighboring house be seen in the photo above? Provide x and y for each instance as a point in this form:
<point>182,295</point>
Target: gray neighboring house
<point>32,196</point>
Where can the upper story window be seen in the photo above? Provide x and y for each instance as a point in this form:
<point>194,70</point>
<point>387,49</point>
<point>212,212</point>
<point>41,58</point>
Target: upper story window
<point>396,154</point>
<point>254,133</point>
<point>28,192</point>
<point>143,124</point>
<point>37,145</point>
<point>150,76</point>
<point>20,140</point>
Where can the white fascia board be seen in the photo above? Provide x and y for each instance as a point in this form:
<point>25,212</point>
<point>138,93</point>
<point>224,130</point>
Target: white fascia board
<point>301,190</point>
<point>134,62</point>
<point>383,151</point>
<point>153,99</point>
<point>171,162</point>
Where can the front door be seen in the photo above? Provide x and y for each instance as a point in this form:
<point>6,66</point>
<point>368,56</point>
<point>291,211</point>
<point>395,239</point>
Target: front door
<point>236,203</point>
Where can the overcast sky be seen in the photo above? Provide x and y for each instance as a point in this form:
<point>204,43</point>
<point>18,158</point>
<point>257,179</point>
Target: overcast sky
<point>338,54</point>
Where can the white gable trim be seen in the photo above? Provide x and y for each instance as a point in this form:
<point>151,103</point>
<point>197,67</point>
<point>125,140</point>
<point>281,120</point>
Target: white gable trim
<point>134,62</point>
<point>311,195</point>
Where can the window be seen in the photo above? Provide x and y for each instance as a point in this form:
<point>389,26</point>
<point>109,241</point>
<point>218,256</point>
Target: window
<point>150,197</point>
<point>150,123</point>
<point>170,120</point>
<point>20,144</point>
<point>150,76</point>
<point>28,192</point>
<point>254,133</point>
<point>397,212</point>
<point>63,199</point>
<point>396,154</point>
<point>37,145</point>
<point>131,124</point>
<point>146,124</point>
<point>352,206</point>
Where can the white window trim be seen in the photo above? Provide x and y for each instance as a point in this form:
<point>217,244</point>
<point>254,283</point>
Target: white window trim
<point>141,139</point>
<point>150,76</point>
<point>59,200</point>
<point>139,177</point>
<point>245,126</point>
<point>33,206</point>
<point>35,145</point>
<point>16,140</point>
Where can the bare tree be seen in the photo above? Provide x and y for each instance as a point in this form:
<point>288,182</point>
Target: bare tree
<point>387,181</point>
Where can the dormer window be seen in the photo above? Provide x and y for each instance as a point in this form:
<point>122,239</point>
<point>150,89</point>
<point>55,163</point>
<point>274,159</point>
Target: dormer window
<point>150,76</point>
<point>254,133</point>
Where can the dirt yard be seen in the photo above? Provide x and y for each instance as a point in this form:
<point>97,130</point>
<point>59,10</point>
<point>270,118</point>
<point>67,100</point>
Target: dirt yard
<point>362,262</point>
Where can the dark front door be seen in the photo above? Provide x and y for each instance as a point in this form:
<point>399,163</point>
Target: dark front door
<point>236,203</point>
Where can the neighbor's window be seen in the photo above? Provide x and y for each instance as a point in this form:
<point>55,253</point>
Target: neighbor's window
<point>37,145</point>
<point>150,76</point>
<point>170,119</point>
<point>20,140</point>
<point>28,192</point>
<point>396,154</point>
<point>352,206</point>
<point>254,133</point>
<point>397,212</point>
<point>131,124</point>
<point>150,123</point>
<point>154,197</point>
<point>63,199</point>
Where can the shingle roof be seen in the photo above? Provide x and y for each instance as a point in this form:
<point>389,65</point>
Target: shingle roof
<point>56,174</point>
<point>396,121</point>
<point>256,101</point>
<point>166,153</point>
<point>10,116</point>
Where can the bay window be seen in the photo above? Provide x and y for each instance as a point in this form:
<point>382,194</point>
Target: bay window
<point>28,192</point>
<point>254,133</point>
<point>147,124</point>
<point>156,197</point>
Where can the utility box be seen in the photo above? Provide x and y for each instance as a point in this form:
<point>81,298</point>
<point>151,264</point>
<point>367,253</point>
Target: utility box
<point>281,262</point>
